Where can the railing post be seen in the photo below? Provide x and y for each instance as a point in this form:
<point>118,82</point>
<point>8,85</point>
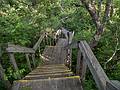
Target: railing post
<point>13,61</point>
<point>28,62</point>
<point>78,61</point>
<point>33,58</point>
<point>81,64</point>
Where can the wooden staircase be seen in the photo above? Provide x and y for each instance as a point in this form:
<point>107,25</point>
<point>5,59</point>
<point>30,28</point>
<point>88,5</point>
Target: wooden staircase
<point>49,77</point>
<point>52,75</point>
<point>65,83</point>
<point>49,71</point>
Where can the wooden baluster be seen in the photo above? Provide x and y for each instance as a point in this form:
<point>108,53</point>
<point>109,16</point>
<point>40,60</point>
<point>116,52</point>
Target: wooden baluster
<point>70,58</point>
<point>78,63</point>
<point>39,52</point>
<point>33,59</point>
<point>28,62</point>
<point>83,65</point>
<point>13,61</point>
<point>50,41</point>
<point>46,43</point>
<point>68,62</point>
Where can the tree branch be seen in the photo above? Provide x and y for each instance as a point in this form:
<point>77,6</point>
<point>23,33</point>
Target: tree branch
<point>107,11</point>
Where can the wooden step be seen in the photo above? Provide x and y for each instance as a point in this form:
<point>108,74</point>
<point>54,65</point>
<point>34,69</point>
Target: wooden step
<point>49,71</point>
<point>52,72</point>
<point>66,83</point>
<point>51,68</point>
<point>46,76</point>
<point>54,55</point>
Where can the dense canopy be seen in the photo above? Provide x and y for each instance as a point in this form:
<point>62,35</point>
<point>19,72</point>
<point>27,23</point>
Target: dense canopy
<point>97,21</point>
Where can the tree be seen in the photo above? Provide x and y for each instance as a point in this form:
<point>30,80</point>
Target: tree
<point>97,17</point>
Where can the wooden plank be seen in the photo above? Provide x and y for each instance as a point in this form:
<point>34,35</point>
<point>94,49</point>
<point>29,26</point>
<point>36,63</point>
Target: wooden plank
<point>68,83</point>
<point>73,44</point>
<point>45,76</point>
<point>13,61</point>
<point>83,69</point>
<point>19,49</point>
<point>98,73</point>
<point>28,62</point>
<point>113,85</point>
<point>78,65</point>
<point>33,59</point>
<point>81,64</point>
<point>35,47</point>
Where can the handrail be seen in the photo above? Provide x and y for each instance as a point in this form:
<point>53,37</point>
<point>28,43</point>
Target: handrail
<point>85,59</point>
<point>98,73</point>
<point>36,46</point>
<point>19,49</point>
<point>29,52</point>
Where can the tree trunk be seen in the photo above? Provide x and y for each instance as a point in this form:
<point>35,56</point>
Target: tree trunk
<point>100,24</point>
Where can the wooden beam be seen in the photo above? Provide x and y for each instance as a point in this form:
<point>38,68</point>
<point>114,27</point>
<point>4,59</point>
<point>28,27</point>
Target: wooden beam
<point>35,47</point>
<point>28,62</point>
<point>13,61</point>
<point>98,73</point>
<point>81,66</point>
<point>113,85</point>
<point>33,58</point>
<point>78,63</point>
<point>19,49</point>
<point>73,44</point>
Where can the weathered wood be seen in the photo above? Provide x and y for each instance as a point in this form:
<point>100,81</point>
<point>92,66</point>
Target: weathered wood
<point>98,73</point>
<point>78,63</point>
<point>68,83</point>
<point>35,47</point>
<point>81,64</point>
<point>113,85</point>
<point>49,71</point>
<point>73,44</point>
<point>28,62</point>
<point>33,59</point>
<point>83,68</point>
<point>13,61</point>
<point>19,49</point>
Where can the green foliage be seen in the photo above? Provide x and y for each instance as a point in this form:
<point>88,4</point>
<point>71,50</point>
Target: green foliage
<point>2,85</point>
<point>20,23</point>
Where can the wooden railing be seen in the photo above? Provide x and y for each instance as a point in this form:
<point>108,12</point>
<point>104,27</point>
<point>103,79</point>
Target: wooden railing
<point>86,58</point>
<point>12,49</point>
<point>29,53</point>
<point>2,73</point>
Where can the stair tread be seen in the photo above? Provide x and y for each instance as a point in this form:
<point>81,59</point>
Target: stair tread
<point>49,72</point>
<point>44,76</point>
<point>65,83</point>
